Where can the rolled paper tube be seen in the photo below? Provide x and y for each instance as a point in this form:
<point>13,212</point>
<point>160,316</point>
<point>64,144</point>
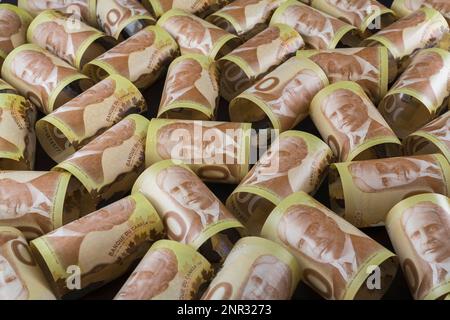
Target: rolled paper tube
<point>71,40</point>
<point>14,23</point>
<point>215,151</point>
<point>372,68</point>
<point>200,8</point>
<point>5,87</point>
<point>296,161</point>
<point>108,165</point>
<point>336,259</point>
<point>169,271</point>
<point>99,247</point>
<point>319,30</point>
<point>84,9</point>
<point>198,36</point>
<point>363,192</point>
<point>420,93</point>
<point>405,7</point>
<point>20,275</point>
<point>141,58</point>
<point>245,18</point>
<point>248,63</point>
<point>419,231</point>
<point>256,269</point>
<point>39,202</point>
<point>219,246</point>
<point>192,219</point>
<point>351,125</point>
<point>367,15</point>
<point>46,80</point>
<point>421,29</point>
<point>191,90</point>
<point>281,99</point>
<point>17,135</point>
<point>432,138</point>
<point>78,122</point>
<point>122,19</point>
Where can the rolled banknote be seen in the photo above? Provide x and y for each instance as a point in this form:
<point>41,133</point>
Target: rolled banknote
<point>192,214</point>
<point>256,269</point>
<point>20,276</point>
<point>432,138</point>
<point>79,9</point>
<point>296,161</point>
<point>351,124</point>
<point>336,259</point>
<point>363,192</point>
<point>108,165</point>
<point>421,29</point>
<point>419,94</point>
<point>281,99</point>
<point>122,19</point>
<point>215,151</point>
<point>169,271</point>
<point>319,30</point>
<point>245,18</point>
<point>46,80</point>
<point>13,28</point>
<point>248,63</point>
<point>5,87</point>
<point>405,7</point>
<point>200,8</point>
<point>99,247</point>
<point>444,43</point>
<point>78,122</point>
<point>191,90</point>
<point>373,68</point>
<point>195,35</point>
<point>141,58</point>
<point>367,15</point>
<point>71,40</point>
<point>419,229</point>
<point>17,135</point>
<point>38,202</point>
